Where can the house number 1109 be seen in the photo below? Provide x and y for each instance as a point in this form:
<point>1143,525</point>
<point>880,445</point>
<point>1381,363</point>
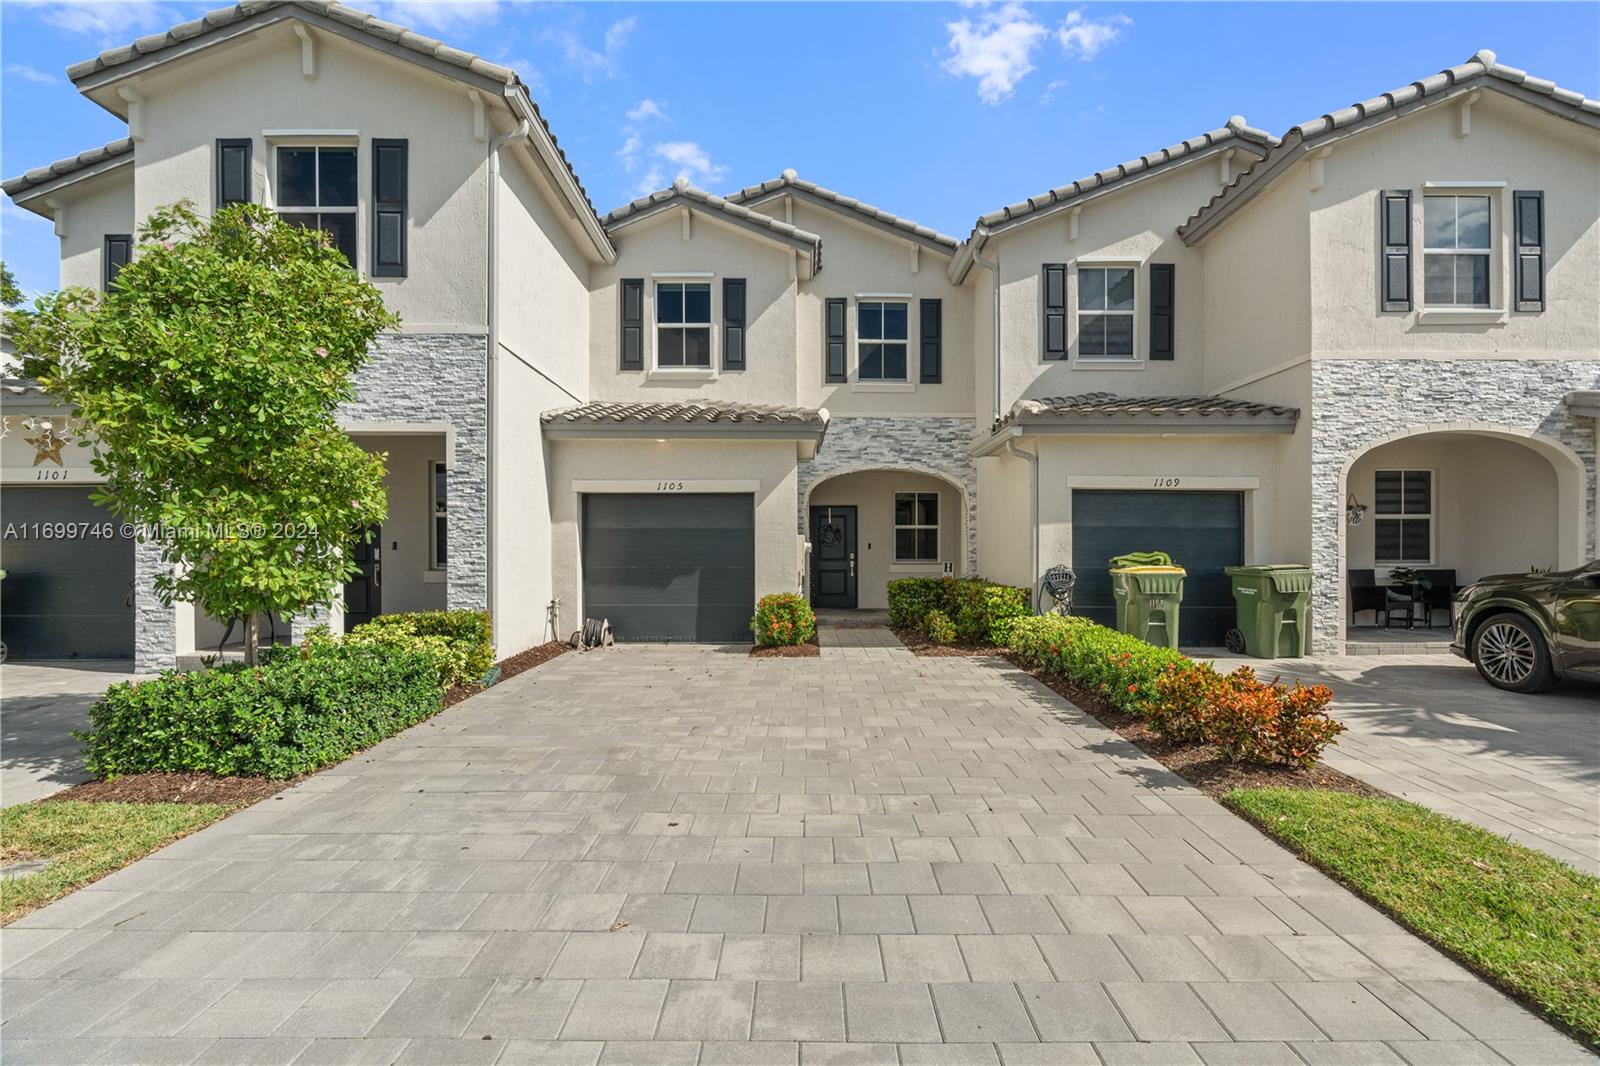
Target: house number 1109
<point>1168,482</point>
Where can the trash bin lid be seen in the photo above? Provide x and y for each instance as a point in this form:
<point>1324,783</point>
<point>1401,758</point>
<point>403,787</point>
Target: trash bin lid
<point>1255,569</point>
<point>1148,570</point>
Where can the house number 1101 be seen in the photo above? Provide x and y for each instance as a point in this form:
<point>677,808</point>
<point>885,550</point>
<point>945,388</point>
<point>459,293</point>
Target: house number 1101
<point>1168,482</point>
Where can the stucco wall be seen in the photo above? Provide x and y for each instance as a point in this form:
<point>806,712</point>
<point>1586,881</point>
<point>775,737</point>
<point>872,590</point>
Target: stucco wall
<point>97,207</point>
<point>523,494</point>
<point>872,494</point>
<point>770,463</point>
<point>1005,540</point>
<point>248,86</point>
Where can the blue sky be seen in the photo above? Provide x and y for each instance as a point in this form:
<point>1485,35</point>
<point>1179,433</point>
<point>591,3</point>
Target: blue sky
<point>938,112</point>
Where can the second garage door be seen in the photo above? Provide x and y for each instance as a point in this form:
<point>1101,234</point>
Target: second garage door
<point>1203,531</point>
<point>670,567</point>
<point>68,588</point>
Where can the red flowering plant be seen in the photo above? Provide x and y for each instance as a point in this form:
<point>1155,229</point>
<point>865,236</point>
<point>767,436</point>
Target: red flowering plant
<point>783,618</point>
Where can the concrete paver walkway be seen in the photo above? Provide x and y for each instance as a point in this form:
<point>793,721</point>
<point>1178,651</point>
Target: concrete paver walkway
<point>41,703</point>
<point>1429,729</point>
<point>670,855</point>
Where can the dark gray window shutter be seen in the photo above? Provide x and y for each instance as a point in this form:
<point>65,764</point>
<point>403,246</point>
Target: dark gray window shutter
<point>390,166</point>
<point>118,253</point>
<point>1529,218</point>
<point>633,323</point>
<point>733,323</point>
<point>1055,310</point>
<point>1394,272</point>
<point>233,171</point>
<point>932,315</point>
<point>835,344</point>
<point>1162,310</point>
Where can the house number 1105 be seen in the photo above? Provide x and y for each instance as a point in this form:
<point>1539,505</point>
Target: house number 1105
<point>669,486</point>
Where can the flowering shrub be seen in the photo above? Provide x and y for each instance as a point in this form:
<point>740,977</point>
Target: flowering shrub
<point>1249,720</point>
<point>938,628</point>
<point>783,618</point>
<point>981,611</point>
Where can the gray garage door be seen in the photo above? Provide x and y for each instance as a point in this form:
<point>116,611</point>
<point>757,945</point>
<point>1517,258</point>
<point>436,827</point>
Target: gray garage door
<point>1202,531</point>
<point>68,589</point>
<point>679,567</point>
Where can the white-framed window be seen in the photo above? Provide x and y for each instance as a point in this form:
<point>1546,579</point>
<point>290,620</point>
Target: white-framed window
<point>315,187</point>
<point>1402,528</point>
<point>882,339</point>
<point>916,527</point>
<point>1457,245</point>
<point>683,324</point>
<point>439,510</point>
<point>1105,312</point>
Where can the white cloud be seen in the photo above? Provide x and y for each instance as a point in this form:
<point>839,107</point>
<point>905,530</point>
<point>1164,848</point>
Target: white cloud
<point>439,15</point>
<point>605,61</point>
<point>996,48</point>
<point>1084,37</point>
<point>646,110</point>
<point>629,152</point>
<point>670,160</point>
<point>33,74</point>
<point>108,21</point>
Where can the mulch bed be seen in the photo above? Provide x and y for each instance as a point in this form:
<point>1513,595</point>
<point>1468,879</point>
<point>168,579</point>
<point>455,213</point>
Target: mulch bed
<point>1202,765</point>
<point>808,650</point>
<point>918,644</point>
<point>174,788</point>
<point>511,666</point>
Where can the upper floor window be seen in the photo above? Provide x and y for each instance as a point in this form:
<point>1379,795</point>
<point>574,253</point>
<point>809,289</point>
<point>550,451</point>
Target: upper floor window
<point>1105,312</point>
<point>1455,250</point>
<point>316,188</point>
<point>916,527</point>
<point>1402,529</point>
<point>683,324</point>
<point>881,340</point>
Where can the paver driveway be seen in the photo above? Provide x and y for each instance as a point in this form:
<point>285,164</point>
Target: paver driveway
<point>683,855</point>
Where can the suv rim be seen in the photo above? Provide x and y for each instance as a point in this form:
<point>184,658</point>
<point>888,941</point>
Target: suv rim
<point>1506,653</point>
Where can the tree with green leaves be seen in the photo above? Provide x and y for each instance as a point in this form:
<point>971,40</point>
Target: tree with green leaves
<point>209,376</point>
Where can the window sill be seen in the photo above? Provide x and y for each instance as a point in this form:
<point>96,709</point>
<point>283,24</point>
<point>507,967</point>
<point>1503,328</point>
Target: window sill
<point>933,567</point>
<point>682,373</point>
<point>882,386</point>
<point>435,577</point>
<point>1463,316</point>
<point>1110,364</point>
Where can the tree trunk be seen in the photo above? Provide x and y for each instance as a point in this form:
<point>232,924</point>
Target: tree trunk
<point>252,636</point>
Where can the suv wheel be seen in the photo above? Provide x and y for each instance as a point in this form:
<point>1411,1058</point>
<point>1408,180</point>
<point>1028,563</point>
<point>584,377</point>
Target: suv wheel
<point>1510,653</point>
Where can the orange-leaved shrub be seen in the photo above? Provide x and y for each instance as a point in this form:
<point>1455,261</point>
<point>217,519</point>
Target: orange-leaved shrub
<point>783,618</point>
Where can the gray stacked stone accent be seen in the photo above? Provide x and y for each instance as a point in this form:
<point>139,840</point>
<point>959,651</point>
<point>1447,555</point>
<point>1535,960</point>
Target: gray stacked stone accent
<point>155,625</point>
<point>1359,403</point>
<point>924,444</point>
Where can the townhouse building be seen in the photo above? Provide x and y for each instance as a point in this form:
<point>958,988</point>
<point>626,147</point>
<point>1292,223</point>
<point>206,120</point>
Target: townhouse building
<point>1371,342</point>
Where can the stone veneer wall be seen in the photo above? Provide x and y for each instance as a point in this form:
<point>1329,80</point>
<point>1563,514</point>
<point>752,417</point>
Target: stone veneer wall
<point>411,377</point>
<point>1357,403</point>
<point>924,444</point>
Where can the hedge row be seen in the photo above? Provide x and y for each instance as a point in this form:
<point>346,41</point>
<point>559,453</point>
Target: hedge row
<point>981,611</point>
<point>1249,720</point>
<point>460,642</point>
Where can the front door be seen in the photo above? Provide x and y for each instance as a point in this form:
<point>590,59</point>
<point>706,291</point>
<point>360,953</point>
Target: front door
<point>363,594</point>
<point>833,557</point>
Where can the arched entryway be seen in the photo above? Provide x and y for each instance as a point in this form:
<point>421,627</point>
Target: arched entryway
<point>1456,502</point>
<point>872,524</point>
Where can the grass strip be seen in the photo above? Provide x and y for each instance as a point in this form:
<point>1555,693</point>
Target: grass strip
<point>1526,921</point>
<point>85,841</point>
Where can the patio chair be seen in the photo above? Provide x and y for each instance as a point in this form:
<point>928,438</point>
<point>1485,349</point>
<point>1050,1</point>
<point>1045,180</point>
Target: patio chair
<point>1439,594</point>
<point>1367,595</point>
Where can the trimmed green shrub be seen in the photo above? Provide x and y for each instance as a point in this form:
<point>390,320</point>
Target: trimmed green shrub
<point>783,618</point>
<point>301,710</point>
<point>1121,668</point>
<point>981,611</point>
<point>461,642</point>
<point>938,628</point>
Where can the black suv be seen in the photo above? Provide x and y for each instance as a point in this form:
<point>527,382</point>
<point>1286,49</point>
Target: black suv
<point>1522,631</point>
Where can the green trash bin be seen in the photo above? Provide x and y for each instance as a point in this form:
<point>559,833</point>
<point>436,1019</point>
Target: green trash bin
<point>1147,600</point>
<point>1274,604</point>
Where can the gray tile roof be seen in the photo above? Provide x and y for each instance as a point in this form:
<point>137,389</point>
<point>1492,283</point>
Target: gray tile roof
<point>1109,405</point>
<point>670,414</point>
<point>71,165</point>
<point>339,13</point>
<point>789,180</point>
<point>1482,67</point>
<point>682,190</point>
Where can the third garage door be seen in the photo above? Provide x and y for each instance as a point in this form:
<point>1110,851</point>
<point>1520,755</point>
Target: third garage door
<point>1202,531</point>
<point>675,567</point>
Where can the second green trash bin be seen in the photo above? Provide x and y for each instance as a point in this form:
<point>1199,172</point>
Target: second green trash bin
<point>1147,601</point>
<point>1274,604</point>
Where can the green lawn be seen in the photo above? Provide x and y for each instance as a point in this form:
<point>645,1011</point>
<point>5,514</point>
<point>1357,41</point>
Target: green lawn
<point>1517,916</point>
<point>86,841</point>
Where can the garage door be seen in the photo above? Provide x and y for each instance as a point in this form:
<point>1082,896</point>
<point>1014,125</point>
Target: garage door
<point>64,596</point>
<point>679,567</point>
<point>1202,531</point>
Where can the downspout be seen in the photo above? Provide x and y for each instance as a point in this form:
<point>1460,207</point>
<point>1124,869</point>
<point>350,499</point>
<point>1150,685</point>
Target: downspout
<point>993,267</point>
<point>492,320</point>
<point>1032,460</point>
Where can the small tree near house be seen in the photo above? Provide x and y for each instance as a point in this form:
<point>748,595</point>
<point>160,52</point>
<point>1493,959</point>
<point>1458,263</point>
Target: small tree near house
<point>210,374</point>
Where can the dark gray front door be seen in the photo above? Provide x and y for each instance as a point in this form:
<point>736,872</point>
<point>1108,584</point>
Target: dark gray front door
<point>1202,531</point>
<point>833,557</point>
<point>68,589</point>
<point>363,594</point>
<point>670,567</point>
